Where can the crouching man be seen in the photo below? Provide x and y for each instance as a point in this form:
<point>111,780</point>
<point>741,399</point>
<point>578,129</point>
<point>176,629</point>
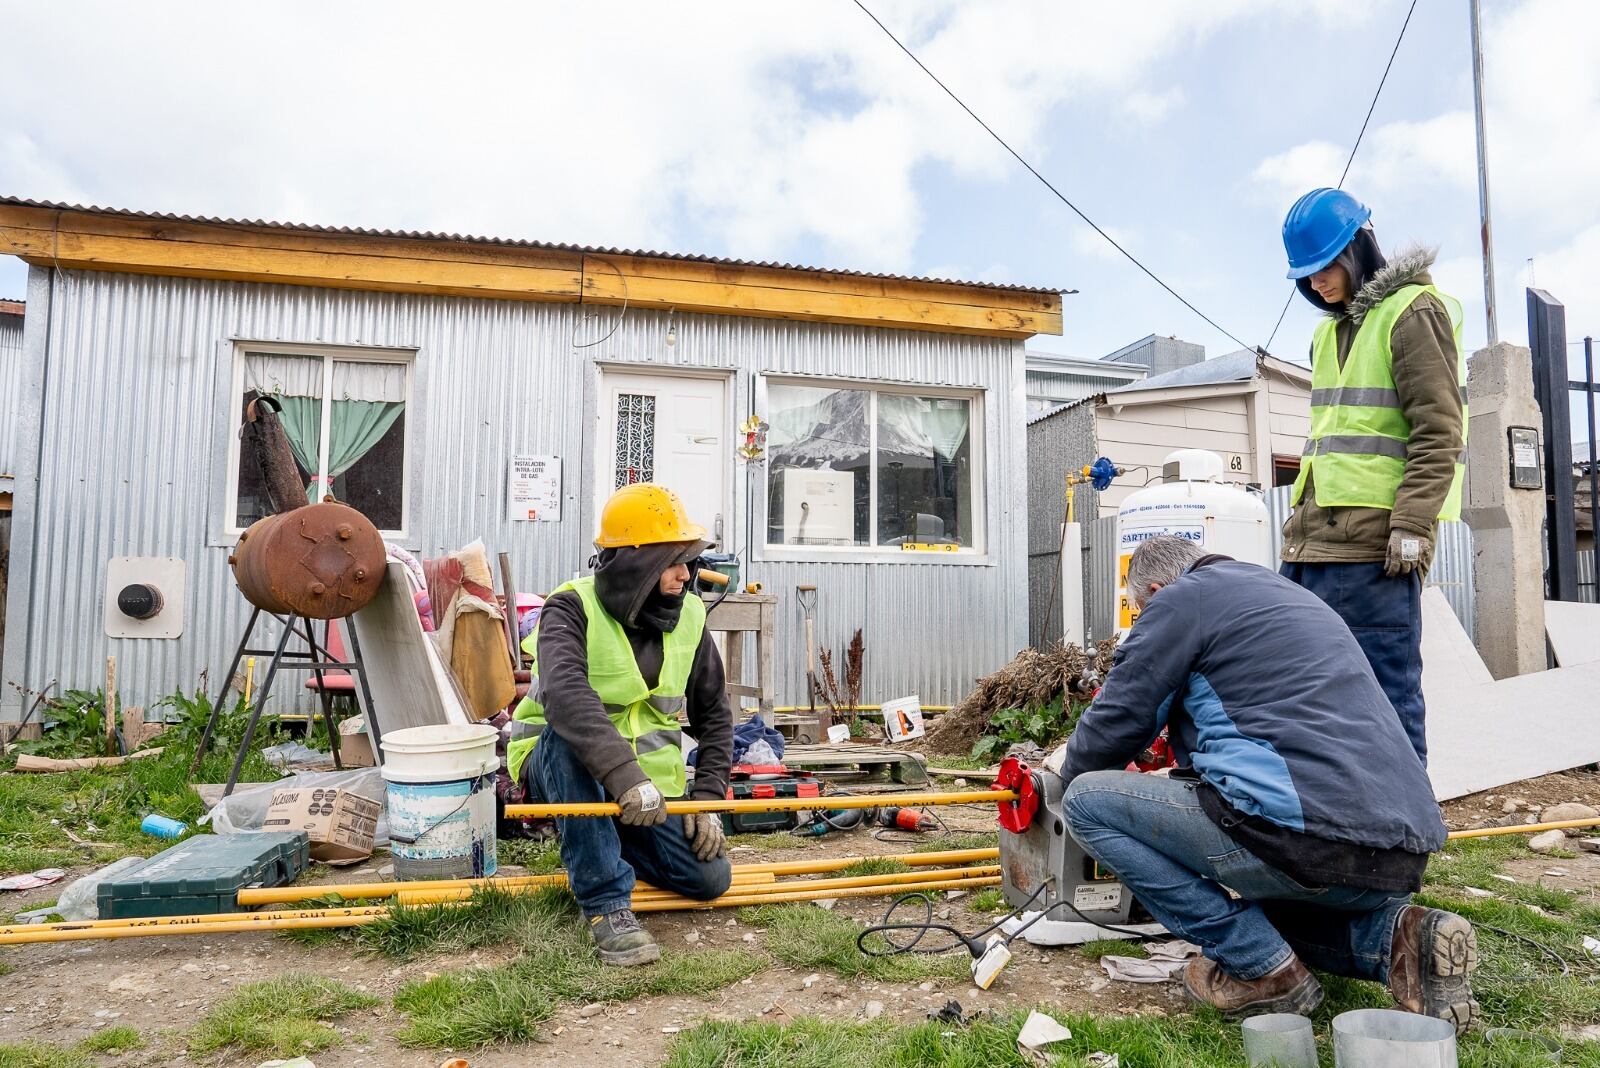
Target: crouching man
<point>617,654</point>
<point>1296,789</point>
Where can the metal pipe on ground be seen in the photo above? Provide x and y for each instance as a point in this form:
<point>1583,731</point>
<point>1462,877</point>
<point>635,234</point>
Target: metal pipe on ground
<point>772,804</point>
<point>817,866</point>
<point>294,919</point>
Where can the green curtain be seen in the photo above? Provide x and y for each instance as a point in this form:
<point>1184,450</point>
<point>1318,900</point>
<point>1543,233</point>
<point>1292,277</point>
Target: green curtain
<point>357,427</point>
<point>302,422</point>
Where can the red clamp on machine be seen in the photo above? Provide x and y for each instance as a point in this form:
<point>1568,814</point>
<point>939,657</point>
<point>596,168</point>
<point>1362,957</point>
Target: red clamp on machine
<point>1036,848</point>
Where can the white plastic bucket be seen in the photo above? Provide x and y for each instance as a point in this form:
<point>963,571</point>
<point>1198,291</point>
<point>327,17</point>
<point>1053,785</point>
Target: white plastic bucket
<point>440,785</point>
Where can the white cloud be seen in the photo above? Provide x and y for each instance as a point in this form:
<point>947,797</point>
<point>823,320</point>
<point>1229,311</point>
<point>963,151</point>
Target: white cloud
<point>759,128</point>
<point>1151,108</point>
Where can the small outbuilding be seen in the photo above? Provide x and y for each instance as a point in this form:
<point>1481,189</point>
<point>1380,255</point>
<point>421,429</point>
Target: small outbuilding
<point>457,387</point>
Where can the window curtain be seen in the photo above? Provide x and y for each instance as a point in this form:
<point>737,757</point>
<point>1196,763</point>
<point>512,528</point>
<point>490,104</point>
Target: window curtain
<point>946,423</point>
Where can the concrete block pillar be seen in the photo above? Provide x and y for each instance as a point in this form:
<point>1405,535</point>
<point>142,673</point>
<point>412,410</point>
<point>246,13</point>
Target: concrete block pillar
<point>1507,524</point>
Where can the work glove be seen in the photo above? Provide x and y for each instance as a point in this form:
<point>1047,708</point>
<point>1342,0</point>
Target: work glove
<point>1408,551</point>
<point>704,831</point>
<point>642,806</point>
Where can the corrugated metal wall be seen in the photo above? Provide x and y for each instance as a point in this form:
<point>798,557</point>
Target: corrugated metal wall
<point>1587,589</point>
<point>138,411</point>
<point>11,370</point>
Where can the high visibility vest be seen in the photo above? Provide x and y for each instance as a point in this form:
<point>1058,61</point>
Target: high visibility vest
<point>647,718</point>
<point>1359,435</point>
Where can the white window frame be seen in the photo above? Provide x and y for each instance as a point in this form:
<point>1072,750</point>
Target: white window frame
<point>329,354</point>
<point>977,553</point>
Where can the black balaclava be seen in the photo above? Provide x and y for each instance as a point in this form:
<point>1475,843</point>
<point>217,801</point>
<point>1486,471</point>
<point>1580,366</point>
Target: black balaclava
<point>628,583</point>
<point>1361,259</point>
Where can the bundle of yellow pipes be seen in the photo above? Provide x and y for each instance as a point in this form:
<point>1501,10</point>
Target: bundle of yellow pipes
<point>753,884</point>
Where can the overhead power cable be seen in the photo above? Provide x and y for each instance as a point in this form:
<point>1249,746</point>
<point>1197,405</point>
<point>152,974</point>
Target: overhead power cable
<point>1047,184</point>
<point>1354,148</point>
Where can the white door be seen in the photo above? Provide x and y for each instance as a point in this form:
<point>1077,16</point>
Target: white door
<point>671,430</point>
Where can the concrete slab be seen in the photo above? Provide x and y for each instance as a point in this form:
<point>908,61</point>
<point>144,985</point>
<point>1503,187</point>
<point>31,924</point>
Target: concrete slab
<point>1484,733</point>
<point>1574,632</point>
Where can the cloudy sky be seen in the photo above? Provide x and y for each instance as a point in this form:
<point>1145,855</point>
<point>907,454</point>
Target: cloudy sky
<point>798,132</point>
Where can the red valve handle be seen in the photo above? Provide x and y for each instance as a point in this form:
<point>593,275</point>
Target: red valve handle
<point>1016,816</point>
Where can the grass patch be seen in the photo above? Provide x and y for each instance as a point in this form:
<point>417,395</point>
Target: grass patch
<point>540,858</point>
<point>105,805</point>
<point>991,899</point>
<point>40,1055</point>
<point>969,840</point>
<point>1112,947</point>
<point>284,1017</point>
<point>113,1040</point>
<point>872,866</point>
<point>805,936</point>
<point>775,840</point>
<point>508,1003</point>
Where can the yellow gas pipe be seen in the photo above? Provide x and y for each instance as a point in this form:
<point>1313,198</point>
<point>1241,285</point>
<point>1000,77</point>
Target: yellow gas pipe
<point>1526,828</point>
<point>771,804</point>
<point>819,866</point>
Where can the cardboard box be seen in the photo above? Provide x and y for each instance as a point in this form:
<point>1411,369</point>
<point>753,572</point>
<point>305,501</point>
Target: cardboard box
<point>355,744</point>
<point>340,824</point>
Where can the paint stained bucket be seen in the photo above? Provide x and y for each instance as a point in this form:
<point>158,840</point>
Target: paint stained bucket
<point>440,786</point>
<point>1388,1038</point>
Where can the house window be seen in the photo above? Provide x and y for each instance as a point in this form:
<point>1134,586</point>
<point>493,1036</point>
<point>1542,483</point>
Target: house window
<point>872,467</point>
<point>1285,469</point>
<point>346,424</point>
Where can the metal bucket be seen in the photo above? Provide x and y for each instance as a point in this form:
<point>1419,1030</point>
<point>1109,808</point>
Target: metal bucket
<point>1279,1040</point>
<point>1387,1038</point>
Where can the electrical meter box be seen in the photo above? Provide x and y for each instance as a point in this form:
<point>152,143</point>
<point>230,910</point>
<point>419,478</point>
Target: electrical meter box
<point>1527,466</point>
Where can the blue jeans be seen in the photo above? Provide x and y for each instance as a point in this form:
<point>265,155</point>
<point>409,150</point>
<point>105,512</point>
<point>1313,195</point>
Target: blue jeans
<point>1152,832</point>
<point>601,855</point>
<point>1385,615</point>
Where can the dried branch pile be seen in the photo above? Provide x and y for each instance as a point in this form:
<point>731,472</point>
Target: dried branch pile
<point>1033,678</point>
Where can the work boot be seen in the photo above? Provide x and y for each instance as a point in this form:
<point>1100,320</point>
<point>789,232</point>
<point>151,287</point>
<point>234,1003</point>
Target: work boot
<point>620,940</point>
<point>1430,965</point>
<point>1287,988</point>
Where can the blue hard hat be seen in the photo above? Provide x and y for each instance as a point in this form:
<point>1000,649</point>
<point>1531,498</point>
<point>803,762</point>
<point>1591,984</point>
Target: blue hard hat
<point>1318,227</point>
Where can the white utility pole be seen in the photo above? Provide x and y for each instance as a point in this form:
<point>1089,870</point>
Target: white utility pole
<point>1483,175</point>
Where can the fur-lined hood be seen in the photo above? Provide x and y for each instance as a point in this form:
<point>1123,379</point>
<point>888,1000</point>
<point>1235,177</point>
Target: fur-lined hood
<point>1409,267</point>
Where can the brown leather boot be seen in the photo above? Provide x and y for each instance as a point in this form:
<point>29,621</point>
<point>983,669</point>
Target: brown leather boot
<point>1430,965</point>
<point>1287,988</point>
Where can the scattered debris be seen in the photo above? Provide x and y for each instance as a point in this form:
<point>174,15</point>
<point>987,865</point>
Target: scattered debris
<point>29,762</point>
<point>1592,946</point>
<point>953,1013</point>
<point>1589,845</point>
<point>1100,1059</point>
<point>1166,960</point>
<point>32,880</point>
<point>1544,843</point>
<point>873,1010</point>
<point>1039,1030</point>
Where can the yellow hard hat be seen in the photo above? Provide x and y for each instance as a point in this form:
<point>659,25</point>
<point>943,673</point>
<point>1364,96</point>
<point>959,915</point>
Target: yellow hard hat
<point>645,514</point>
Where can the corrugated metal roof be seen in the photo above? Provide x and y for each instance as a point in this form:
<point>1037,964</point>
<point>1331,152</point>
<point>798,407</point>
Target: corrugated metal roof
<point>1234,367</point>
<point>429,235</point>
<point>12,307</point>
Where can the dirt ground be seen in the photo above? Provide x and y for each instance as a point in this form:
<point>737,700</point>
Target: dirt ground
<point>65,992</point>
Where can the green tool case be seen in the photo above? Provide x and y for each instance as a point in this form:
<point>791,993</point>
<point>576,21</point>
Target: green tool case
<point>203,874</point>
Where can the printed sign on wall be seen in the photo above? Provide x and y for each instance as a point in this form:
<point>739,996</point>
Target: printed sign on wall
<point>535,489</point>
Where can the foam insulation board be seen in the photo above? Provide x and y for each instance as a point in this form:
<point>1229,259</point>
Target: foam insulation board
<point>1574,632</point>
<point>1484,733</point>
<point>411,686</point>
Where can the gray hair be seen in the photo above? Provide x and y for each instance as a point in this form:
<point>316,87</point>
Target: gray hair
<point>1160,560</point>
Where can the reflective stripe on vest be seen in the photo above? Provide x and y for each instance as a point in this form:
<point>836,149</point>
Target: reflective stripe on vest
<point>646,718</point>
<point>1359,436</point>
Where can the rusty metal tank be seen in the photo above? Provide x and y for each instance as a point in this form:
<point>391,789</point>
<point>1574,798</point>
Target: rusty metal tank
<point>322,561</point>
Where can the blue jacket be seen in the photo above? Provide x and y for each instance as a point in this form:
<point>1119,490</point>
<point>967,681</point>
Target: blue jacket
<point>1270,700</point>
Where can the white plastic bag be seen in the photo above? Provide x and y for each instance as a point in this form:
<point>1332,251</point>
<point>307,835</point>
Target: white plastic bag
<point>760,754</point>
<point>81,900</point>
<point>245,810</point>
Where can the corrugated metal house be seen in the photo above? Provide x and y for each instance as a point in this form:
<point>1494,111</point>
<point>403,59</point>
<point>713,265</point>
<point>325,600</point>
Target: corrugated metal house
<point>414,368</point>
<point>1254,411</point>
<point>1054,380</point>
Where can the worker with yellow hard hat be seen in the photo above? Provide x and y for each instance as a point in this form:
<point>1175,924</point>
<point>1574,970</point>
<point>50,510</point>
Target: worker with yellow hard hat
<point>618,655</point>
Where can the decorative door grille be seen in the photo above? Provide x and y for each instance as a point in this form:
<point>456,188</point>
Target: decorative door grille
<point>636,439</point>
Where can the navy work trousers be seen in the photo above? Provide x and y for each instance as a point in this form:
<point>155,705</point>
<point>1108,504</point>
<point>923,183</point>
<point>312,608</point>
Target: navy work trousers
<point>1385,615</point>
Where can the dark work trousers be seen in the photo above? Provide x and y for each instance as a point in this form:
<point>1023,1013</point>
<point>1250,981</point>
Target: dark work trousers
<point>1385,615</point>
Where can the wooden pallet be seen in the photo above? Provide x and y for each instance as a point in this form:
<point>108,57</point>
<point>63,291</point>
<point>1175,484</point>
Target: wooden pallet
<point>858,763</point>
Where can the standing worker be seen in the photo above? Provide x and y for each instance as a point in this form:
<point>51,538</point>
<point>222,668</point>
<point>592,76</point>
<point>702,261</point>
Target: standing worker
<point>1385,457</point>
<point>617,654</point>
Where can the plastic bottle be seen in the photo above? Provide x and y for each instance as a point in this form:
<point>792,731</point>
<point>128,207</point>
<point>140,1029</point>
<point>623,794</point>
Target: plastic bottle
<point>163,826</point>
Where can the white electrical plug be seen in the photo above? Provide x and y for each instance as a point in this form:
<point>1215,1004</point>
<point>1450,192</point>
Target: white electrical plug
<point>996,956</point>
